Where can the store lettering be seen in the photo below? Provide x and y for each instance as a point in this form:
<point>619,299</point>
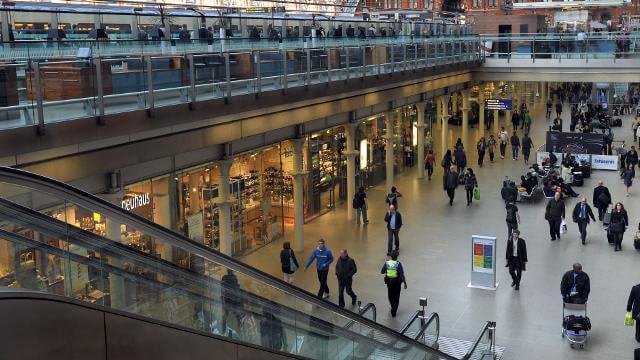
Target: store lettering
<point>136,201</point>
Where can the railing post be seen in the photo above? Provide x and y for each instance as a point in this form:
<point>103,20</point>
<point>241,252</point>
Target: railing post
<point>227,74</point>
<point>404,58</point>
<point>150,103</point>
<point>533,49</point>
<point>97,62</point>
<point>393,59</point>
<point>346,56</point>
<point>415,57</point>
<point>258,66</point>
<point>328,52</point>
<point>308,79</point>
<point>427,51</point>
<point>38,89</point>
<point>285,76</point>
<point>192,80</point>
<point>364,62</point>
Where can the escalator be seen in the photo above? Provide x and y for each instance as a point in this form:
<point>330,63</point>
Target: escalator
<point>70,247</point>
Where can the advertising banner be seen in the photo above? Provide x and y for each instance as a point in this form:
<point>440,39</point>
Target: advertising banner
<point>483,262</point>
<point>574,143</point>
<point>604,162</point>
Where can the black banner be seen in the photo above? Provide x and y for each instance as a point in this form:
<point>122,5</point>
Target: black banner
<point>574,143</point>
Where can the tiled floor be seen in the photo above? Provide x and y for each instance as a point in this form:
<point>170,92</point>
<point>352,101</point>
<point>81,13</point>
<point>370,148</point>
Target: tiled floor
<point>435,252</point>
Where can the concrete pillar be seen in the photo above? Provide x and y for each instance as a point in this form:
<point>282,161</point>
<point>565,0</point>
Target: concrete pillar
<point>298,194</point>
<point>481,123</point>
<point>466,106</point>
<point>4,20</point>
<point>224,207</point>
<point>543,92</point>
<point>420,135</point>
<point>445,123</point>
<point>454,103</point>
<point>112,229</point>
<point>390,137</point>
<point>351,153</point>
<point>496,119</point>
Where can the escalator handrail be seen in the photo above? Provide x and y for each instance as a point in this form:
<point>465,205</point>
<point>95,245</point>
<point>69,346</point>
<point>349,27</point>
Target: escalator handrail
<point>476,342</point>
<point>89,201</point>
<point>410,321</point>
<point>432,317</point>
<point>365,309</point>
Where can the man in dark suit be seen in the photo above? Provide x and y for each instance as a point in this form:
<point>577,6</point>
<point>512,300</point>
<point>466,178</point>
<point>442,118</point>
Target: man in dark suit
<point>633,305</point>
<point>601,199</point>
<point>581,214</point>
<point>554,215</point>
<point>575,285</point>
<point>516,257</point>
<point>394,223</point>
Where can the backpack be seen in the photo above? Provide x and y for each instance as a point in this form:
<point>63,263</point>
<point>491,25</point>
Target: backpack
<point>356,202</point>
<point>511,214</point>
<point>603,199</point>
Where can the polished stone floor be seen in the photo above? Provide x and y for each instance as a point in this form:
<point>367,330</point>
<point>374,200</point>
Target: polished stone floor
<point>435,252</point>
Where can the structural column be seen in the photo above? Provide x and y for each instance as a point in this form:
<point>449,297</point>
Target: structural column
<point>543,92</point>
<point>298,193</point>
<point>445,122</point>
<point>481,123</point>
<point>420,129</point>
<point>224,207</point>
<point>390,138</point>
<point>351,153</point>
<point>465,116</point>
<point>112,229</point>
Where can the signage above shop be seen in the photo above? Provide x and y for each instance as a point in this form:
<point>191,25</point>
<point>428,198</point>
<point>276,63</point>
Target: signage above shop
<point>499,104</point>
<point>133,201</point>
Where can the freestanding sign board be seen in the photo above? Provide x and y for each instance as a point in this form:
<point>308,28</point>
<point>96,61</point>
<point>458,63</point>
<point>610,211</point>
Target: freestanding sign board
<point>483,263</point>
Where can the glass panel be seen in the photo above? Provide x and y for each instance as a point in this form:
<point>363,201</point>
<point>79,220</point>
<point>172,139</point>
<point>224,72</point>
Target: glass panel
<point>209,76</point>
<point>17,101</point>
<point>129,86</point>
<point>170,78</point>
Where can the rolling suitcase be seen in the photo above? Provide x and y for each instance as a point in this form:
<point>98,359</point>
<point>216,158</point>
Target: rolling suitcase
<point>607,219</point>
<point>609,237</point>
<point>578,180</point>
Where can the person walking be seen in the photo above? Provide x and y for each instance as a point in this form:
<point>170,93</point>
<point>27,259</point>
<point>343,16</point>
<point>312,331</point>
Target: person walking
<point>632,156</point>
<point>361,206</point>
<point>288,262</point>
<point>482,148</point>
<point>581,215</point>
<point>558,109</point>
<point>345,269</point>
<point>491,147</point>
<point>515,120</point>
<point>627,177</point>
<point>549,106</point>
<point>470,183</point>
<point>554,214</point>
<point>527,121</point>
<point>527,144</point>
<point>633,306</point>
<point>447,161</point>
<point>575,285</point>
<point>515,145</point>
<point>451,183</point>
<point>635,124</point>
<point>618,225</point>
<point>392,197</point>
<point>323,257</point>
<point>394,277</point>
<point>429,163</point>
<point>503,136</point>
<point>393,218</point>
<point>513,217</point>
<point>461,159</point>
<point>516,258</point>
<point>601,199</point>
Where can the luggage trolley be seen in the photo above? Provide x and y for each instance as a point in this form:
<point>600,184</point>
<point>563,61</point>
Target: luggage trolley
<point>575,323</point>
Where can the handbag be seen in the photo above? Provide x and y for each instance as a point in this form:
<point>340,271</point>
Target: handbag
<point>563,227</point>
<point>292,264</point>
<point>476,193</point>
<point>628,319</point>
<point>617,227</point>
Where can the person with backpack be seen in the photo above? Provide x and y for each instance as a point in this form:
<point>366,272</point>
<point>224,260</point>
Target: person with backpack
<point>323,257</point>
<point>491,147</point>
<point>392,197</point>
<point>513,217</point>
<point>345,269</point>
<point>482,148</point>
<point>361,206</point>
<point>393,277</point>
<point>601,199</point>
<point>527,144</point>
<point>429,163</point>
<point>470,183</point>
<point>503,136</point>
<point>288,262</point>
<point>393,218</point>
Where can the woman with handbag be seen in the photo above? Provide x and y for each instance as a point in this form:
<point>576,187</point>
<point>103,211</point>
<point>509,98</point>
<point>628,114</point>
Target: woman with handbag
<point>618,225</point>
<point>470,183</point>
<point>288,261</point>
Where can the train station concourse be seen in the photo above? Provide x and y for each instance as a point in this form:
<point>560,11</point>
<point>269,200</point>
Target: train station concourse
<point>273,183</point>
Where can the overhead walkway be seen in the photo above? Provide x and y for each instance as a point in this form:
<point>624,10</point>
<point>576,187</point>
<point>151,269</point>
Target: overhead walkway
<point>133,287</point>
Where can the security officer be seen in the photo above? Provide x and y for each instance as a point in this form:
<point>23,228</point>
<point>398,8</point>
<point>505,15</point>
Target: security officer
<point>394,277</point>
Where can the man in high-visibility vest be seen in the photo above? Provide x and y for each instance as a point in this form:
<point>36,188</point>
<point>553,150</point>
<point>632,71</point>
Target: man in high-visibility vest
<point>393,277</point>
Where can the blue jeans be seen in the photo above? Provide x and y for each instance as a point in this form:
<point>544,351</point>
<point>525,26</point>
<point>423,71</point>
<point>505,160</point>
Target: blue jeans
<point>515,151</point>
<point>362,210</point>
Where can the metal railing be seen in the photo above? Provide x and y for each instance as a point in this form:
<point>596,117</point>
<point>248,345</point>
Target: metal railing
<point>42,91</point>
<point>424,329</point>
<point>484,346</point>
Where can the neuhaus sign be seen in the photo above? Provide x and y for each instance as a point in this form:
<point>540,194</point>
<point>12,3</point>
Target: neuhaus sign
<point>133,201</point>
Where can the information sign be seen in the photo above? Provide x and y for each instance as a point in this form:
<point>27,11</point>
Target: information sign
<point>499,104</point>
<point>483,262</point>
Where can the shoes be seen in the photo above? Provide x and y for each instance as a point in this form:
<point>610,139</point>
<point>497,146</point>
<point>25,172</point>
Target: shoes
<point>627,195</point>
<point>517,287</point>
<point>353,301</point>
<point>393,314</point>
<point>325,296</point>
<point>553,239</point>
<point>450,203</point>
<point>583,243</point>
<point>366,222</point>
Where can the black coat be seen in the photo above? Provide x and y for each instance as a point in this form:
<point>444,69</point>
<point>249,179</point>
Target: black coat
<point>583,284</point>
<point>555,210</point>
<point>521,251</point>
<point>286,255</point>
<point>461,158</point>
<point>387,219</point>
<point>576,212</point>
<point>633,304</point>
<point>345,269</point>
<point>450,180</point>
<point>601,189</point>
<point>617,217</point>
